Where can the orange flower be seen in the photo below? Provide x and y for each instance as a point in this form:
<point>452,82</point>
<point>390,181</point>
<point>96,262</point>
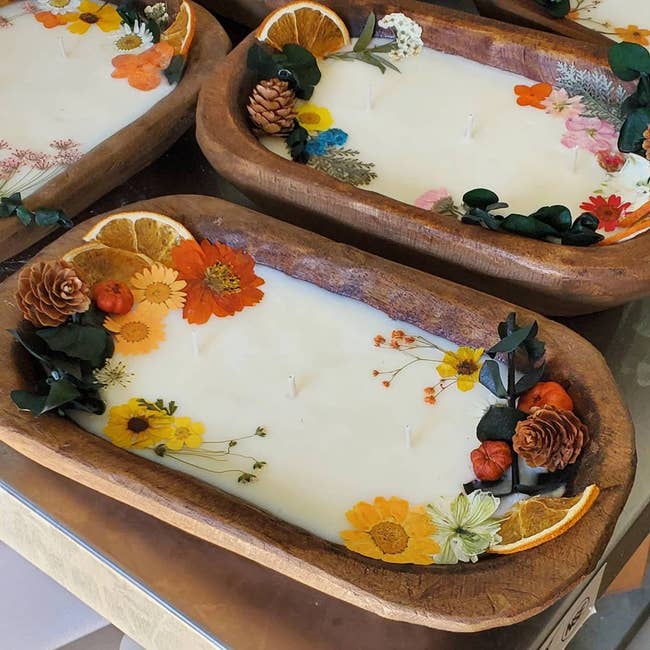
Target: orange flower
<point>144,71</point>
<point>50,20</point>
<point>633,34</point>
<point>220,280</point>
<point>379,340</point>
<point>533,95</point>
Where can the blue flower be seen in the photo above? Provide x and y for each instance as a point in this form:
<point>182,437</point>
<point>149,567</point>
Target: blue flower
<point>318,145</point>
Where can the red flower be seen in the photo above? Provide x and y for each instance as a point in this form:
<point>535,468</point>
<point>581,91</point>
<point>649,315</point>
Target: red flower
<point>611,161</point>
<point>607,211</point>
<point>220,280</point>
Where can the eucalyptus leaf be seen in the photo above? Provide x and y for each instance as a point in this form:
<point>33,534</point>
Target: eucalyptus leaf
<point>511,342</point>
<point>490,377</point>
<point>498,423</point>
<point>24,215</point>
<point>520,224</point>
<point>556,216</point>
<point>84,342</point>
<point>27,401</point>
<point>529,380</point>
<point>629,60</point>
<point>631,138</point>
<point>174,71</point>
<point>61,392</point>
<point>477,216</point>
<point>480,198</point>
<point>9,204</point>
<point>366,33</point>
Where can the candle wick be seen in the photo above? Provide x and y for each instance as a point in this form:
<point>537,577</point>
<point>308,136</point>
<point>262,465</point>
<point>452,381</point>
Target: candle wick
<point>62,48</point>
<point>195,343</point>
<point>369,98</point>
<point>576,150</point>
<point>408,435</point>
<point>292,387</point>
<point>469,128</point>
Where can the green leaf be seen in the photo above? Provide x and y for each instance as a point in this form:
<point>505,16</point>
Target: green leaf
<point>302,64</point>
<point>61,392</point>
<point>631,138</point>
<point>478,216</point>
<point>174,72</point>
<point>520,224</point>
<point>296,141</point>
<point>384,48</point>
<point>490,377</point>
<point>9,204</point>
<point>529,380</point>
<point>24,215</point>
<point>582,232</point>
<point>27,401</point>
<point>260,61</point>
<point>499,423</point>
<point>535,349</point>
<point>556,216</point>
<point>366,33</point>
<point>480,198</point>
<point>513,341</point>
<point>629,60</point>
<point>83,342</point>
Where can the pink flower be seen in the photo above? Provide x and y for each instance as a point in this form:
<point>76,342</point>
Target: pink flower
<point>427,200</point>
<point>559,103</point>
<point>4,23</point>
<point>4,144</point>
<point>10,166</point>
<point>590,133</point>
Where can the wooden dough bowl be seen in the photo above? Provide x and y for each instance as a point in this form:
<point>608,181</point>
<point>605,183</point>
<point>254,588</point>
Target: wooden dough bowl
<point>553,279</point>
<point>496,591</point>
<point>528,13</point>
<point>125,153</point>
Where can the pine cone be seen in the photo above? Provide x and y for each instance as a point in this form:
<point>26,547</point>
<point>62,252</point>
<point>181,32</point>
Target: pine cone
<point>550,437</point>
<point>646,142</point>
<point>271,107</point>
<point>49,292</point>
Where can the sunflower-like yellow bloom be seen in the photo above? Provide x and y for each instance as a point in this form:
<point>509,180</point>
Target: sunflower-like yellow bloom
<point>392,531</point>
<point>105,16</point>
<point>464,364</point>
<point>186,433</point>
<point>159,287</point>
<point>134,426</point>
<point>314,118</point>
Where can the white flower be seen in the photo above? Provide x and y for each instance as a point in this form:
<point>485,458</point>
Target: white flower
<point>133,39</point>
<point>157,13</point>
<point>407,33</point>
<point>465,526</point>
<point>59,6</point>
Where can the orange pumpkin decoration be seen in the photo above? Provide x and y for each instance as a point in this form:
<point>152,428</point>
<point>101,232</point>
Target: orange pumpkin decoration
<point>545,393</point>
<point>113,297</point>
<point>491,460</point>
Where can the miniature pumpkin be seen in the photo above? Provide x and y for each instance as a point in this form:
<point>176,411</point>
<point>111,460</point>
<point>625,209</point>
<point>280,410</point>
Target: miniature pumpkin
<point>113,297</point>
<point>545,393</point>
<point>491,460</point>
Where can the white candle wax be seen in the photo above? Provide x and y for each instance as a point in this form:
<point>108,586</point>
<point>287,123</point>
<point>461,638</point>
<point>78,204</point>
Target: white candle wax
<point>58,86</point>
<point>424,118</point>
<point>343,438</point>
<point>606,16</point>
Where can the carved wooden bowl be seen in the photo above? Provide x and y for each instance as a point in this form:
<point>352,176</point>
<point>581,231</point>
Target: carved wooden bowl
<point>496,591</point>
<point>129,150</point>
<point>553,279</point>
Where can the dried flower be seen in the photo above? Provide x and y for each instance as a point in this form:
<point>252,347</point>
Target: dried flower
<point>49,292</point>
<point>158,13</point>
<point>408,35</point>
<point>613,161</point>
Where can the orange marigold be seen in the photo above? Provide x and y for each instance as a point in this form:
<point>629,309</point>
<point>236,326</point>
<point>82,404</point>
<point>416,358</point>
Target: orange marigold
<point>220,280</point>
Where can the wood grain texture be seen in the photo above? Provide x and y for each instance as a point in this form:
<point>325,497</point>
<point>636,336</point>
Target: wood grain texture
<point>553,279</point>
<point>494,592</point>
<point>528,13</point>
<point>129,150</point>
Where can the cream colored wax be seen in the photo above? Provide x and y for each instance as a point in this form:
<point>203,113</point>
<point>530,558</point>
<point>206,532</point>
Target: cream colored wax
<point>57,85</point>
<point>448,122</point>
<point>342,437</point>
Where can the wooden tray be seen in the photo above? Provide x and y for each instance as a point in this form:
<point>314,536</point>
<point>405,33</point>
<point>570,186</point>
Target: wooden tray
<point>129,150</point>
<point>496,591</point>
<point>552,279</point>
<point>529,14</point>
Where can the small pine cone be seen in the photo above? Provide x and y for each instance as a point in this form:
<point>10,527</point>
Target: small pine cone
<point>271,107</point>
<point>550,437</point>
<point>49,292</point>
<point>646,142</point>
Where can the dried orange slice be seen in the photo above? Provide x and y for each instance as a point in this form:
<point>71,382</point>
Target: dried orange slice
<point>310,24</point>
<point>96,262</point>
<point>181,32</point>
<point>537,520</point>
<point>149,233</point>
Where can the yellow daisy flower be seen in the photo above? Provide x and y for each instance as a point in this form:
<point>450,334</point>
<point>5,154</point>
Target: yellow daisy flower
<point>134,426</point>
<point>139,331</point>
<point>392,531</point>
<point>159,287</point>
<point>105,16</point>
<point>314,118</point>
<point>464,364</point>
<point>187,433</point>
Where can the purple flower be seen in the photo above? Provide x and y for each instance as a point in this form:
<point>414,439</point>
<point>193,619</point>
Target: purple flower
<point>590,133</point>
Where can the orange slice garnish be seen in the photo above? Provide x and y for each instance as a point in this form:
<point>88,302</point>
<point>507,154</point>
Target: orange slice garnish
<point>181,32</point>
<point>533,521</point>
<point>312,25</point>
